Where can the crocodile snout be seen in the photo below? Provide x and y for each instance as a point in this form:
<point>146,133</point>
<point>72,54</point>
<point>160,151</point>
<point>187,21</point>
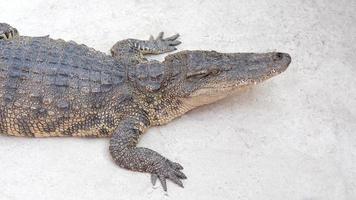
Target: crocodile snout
<point>281,61</point>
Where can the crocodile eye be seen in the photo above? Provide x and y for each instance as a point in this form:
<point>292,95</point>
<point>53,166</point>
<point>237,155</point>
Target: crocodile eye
<point>203,73</point>
<point>198,74</point>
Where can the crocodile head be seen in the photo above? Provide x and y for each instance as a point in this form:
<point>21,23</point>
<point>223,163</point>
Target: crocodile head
<point>209,76</point>
<point>188,79</point>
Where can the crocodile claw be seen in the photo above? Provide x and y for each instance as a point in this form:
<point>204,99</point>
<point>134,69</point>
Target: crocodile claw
<point>163,45</point>
<point>167,169</point>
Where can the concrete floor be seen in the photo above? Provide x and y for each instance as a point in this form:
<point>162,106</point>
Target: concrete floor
<point>292,137</point>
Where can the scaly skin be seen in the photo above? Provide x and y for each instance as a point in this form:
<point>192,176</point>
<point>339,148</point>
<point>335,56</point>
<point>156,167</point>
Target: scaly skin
<point>57,88</point>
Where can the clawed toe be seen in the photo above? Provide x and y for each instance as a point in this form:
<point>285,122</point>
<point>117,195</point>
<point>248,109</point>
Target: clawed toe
<point>168,170</point>
<point>169,40</point>
<point>173,37</point>
<point>175,165</point>
<point>174,43</point>
<point>165,44</point>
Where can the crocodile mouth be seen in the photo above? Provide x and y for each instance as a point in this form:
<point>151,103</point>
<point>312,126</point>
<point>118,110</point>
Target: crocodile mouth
<point>215,92</point>
<point>221,90</point>
<point>209,95</point>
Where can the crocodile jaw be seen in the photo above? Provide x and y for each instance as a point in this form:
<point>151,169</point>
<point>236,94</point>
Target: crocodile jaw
<point>256,69</point>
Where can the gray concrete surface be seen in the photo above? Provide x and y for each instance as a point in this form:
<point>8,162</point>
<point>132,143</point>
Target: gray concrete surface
<point>292,137</point>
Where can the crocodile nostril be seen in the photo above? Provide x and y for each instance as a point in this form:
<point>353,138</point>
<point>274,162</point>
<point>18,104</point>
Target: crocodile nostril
<point>278,56</point>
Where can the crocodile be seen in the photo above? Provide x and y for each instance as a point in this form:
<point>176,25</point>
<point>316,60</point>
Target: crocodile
<point>55,88</point>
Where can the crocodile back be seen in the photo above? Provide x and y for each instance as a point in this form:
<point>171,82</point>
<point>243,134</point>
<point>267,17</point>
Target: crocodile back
<point>52,88</point>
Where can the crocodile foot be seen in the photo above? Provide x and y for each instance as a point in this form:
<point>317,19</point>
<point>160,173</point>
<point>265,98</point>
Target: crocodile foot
<point>7,32</point>
<point>162,45</point>
<point>166,169</point>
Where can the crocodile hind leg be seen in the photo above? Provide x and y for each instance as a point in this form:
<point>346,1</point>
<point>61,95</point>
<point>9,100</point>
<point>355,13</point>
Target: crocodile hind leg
<point>127,155</point>
<point>133,50</point>
<point>7,32</point>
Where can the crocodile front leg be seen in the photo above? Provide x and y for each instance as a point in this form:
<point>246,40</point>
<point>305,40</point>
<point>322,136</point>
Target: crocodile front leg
<point>7,32</point>
<point>133,50</point>
<point>125,153</point>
